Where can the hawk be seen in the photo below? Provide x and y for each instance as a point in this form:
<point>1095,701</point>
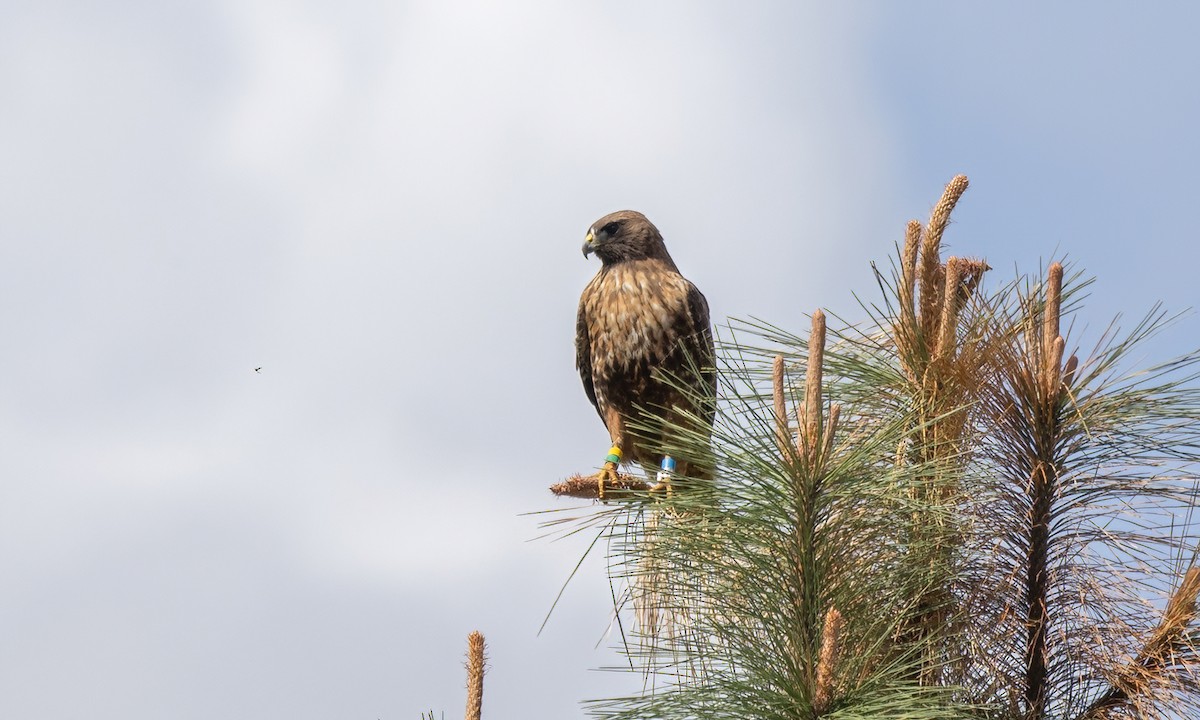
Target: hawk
<point>643,346</point>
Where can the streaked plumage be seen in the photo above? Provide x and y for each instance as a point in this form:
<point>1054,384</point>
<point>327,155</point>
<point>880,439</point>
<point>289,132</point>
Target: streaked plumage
<point>639,323</point>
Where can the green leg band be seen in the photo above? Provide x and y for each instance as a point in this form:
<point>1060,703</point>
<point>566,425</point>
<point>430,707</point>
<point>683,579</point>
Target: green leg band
<point>614,455</point>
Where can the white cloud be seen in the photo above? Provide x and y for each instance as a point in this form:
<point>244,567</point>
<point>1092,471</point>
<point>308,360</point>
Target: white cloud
<point>381,206</point>
<point>290,86</point>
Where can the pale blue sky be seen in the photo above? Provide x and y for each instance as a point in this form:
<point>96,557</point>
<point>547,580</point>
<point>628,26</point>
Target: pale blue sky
<point>381,204</point>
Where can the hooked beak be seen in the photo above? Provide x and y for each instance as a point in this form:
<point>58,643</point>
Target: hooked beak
<point>589,244</point>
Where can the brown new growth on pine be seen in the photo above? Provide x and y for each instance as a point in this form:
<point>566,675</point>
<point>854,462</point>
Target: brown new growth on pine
<point>810,425</point>
<point>827,661</point>
<point>584,486</point>
<point>1038,381</point>
<point>940,217</point>
<point>783,434</point>
<point>1053,311</point>
<point>942,350</point>
<point>908,269</point>
<point>932,294</point>
<point>932,273</point>
<point>475,670</point>
<point>1053,344</point>
<point>927,330</point>
<point>948,322</point>
<point>816,432</point>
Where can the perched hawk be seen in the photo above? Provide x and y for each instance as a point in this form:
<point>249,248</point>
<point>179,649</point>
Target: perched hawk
<point>642,330</point>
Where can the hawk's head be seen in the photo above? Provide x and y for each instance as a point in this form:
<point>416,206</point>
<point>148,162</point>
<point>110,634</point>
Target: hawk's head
<point>624,235</point>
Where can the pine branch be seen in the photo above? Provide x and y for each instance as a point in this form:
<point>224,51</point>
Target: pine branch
<point>1044,428</point>
<point>584,486</point>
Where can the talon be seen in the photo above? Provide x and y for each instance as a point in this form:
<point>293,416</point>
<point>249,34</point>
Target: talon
<point>608,474</point>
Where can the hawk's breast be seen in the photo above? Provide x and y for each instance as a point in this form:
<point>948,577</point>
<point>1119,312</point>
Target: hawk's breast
<point>634,312</point>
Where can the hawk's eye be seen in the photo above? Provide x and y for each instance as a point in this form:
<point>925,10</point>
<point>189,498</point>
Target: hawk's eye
<point>611,228</point>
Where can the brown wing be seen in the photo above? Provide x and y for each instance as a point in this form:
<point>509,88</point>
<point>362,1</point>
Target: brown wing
<point>697,344</point>
<point>583,356</point>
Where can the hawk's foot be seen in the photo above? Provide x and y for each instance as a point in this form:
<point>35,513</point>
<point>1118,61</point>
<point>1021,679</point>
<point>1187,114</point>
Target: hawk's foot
<point>606,477</point>
<point>664,476</point>
<point>608,473</point>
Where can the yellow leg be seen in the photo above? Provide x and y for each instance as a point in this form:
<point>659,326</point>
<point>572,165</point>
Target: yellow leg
<point>608,473</point>
<point>664,475</point>
<point>663,484</point>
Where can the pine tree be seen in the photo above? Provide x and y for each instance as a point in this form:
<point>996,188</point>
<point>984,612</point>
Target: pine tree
<point>937,513</point>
